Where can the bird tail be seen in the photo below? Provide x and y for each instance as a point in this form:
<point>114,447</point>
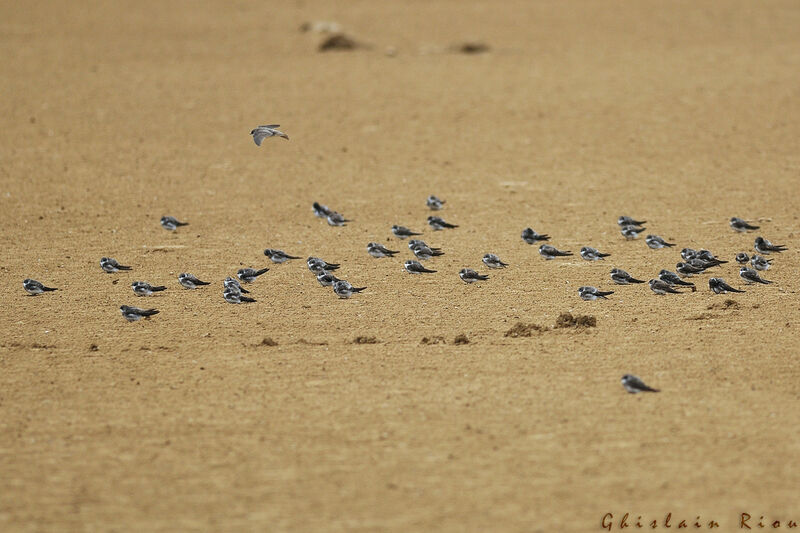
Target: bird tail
<point>159,288</point>
<point>669,244</point>
<point>246,299</point>
<point>634,280</point>
<point>48,289</point>
<point>358,289</point>
<point>259,272</point>
<point>563,254</point>
<point>198,282</point>
<point>292,257</point>
<point>121,267</point>
<point>150,312</point>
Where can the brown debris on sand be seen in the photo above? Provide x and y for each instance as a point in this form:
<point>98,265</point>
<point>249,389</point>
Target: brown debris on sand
<point>727,304</point>
<point>436,339</point>
<point>338,41</point>
<point>267,341</point>
<point>521,329</point>
<point>461,339</point>
<point>566,320</point>
<point>470,47</point>
<point>365,340</point>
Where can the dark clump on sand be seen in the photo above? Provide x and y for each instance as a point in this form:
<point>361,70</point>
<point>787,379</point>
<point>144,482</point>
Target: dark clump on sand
<point>437,339</point>
<point>365,340</point>
<point>566,320</point>
<point>339,41</point>
<point>471,48</point>
<point>267,341</point>
<point>461,339</point>
<point>520,329</point>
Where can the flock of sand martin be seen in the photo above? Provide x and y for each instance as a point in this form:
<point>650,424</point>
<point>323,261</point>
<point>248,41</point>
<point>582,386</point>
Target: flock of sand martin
<point>694,262</point>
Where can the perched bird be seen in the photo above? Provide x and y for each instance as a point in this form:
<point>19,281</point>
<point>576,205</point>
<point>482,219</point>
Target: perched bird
<point>662,287</point>
<point>343,289</point>
<point>249,275</point>
<point>232,296</point>
<point>326,279</point>
<point>719,286</point>
<point>592,254</point>
<point>189,281</point>
<point>530,236</point>
<point>438,223</point>
<point>672,278</point>
<point>593,293</point>
<point>741,225</point>
<point>760,263</point>
<point>320,211</point>
<point>631,232</point>
<point>434,203</point>
<point>403,232</point>
<point>415,267</point>
<point>492,261</point>
<point>413,242</point>
<point>278,256</point>
<point>110,265</point>
<point>751,276</point>
<point>628,221</point>
<point>34,287</point>
<point>270,130</point>
<point>171,223</point>
<point>688,253</point>
<point>378,250</point>
<point>142,288</point>
<point>698,262</point>
<point>230,283</point>
<point>635,385</point>
<point>688,269</point>
<point>742,258</point>
<point>423,252</point>
<point>655,242</point>
<point>132,314</point>
<point>620,277</point>
<point>763,246</point>
<point>337,219</point>
<point>550,252</point>
<point>315,264</point>
<point>708,257</point>
<point>468,275</point>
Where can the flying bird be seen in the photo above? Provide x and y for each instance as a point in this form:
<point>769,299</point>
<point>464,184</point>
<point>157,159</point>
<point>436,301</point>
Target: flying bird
<point>263,132</point>
<point>34,287</point>
<point>635,385</point>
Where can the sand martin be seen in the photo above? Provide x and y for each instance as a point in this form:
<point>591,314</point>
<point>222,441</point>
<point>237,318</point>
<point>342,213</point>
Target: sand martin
<point>760,263</point>
<point>550,252</point>
<point>320,211</point>
<point>592,293</point>
<point>263,132</point>
<point>132,314</point>
<point>708,257</point>
<point>635,385</point>
<point>34,287</point>
<point>741,225</point>
<point>249,275</point>
<point>655,242</point>
<point>171,223</point>
<point>751,276</point>
<point>592,254</point>
<point>742,258</point>
<point>403,232</point>
<point>415,267</point>
<point>414,242</point>
<point>343,289</point>
<point>763,246</point>
<point>438,223</point>
<point>378,250</point>
<point>326,279</point>
<point>315,264</point>
<point>232,296</point>
<point>673,279</point>
<point>688,269</point>
<point>688,253</point>
<point>337,219</point>
<point>662,287</point>
<point>719,286</point>
<point>620,277</point>
<point>631,232</point>
<point>492,261</point>
<point>278,256</point>
<point>434,203</point>
<point>423,252</point>
<point>628,221</point>
<point>189,281</point>
<point>468,275</point>
<point>530,236</point>
<point>230,283</point>
<point>110,265</point>
<point>142,288</point>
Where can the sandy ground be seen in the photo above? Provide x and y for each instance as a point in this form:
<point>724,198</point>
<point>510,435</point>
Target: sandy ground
<point>684,114</point>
